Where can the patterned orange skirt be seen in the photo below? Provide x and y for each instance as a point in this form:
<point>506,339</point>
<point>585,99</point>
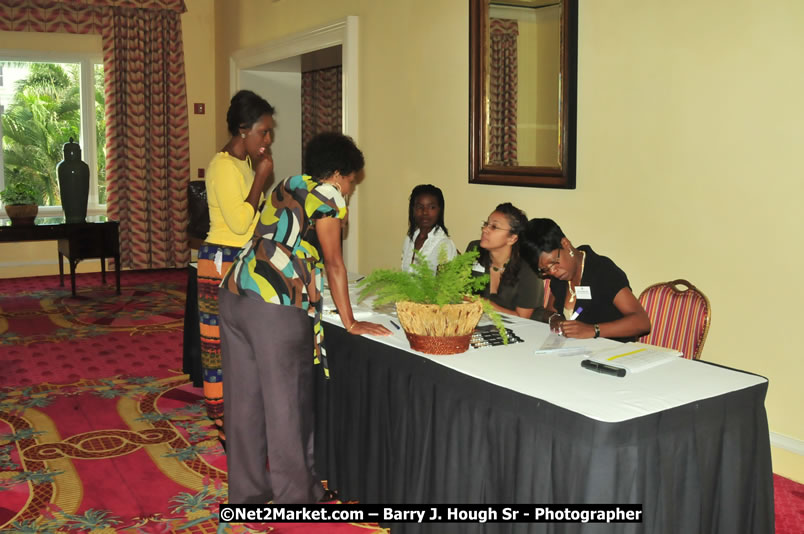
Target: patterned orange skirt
<point>213,263</point>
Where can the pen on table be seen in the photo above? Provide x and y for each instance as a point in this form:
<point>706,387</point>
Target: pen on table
<point>576,313</point>
<point>395,325</point>
<point>603,368</point>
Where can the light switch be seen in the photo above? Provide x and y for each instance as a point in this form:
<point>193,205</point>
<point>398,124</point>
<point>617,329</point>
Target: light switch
<point>198,109</point>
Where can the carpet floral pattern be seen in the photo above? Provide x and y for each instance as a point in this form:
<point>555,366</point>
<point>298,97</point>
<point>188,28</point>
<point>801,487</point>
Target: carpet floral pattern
<point>47,335</point>
<point>138,310</point>
<point>129,455</point>
<point>152,430</point>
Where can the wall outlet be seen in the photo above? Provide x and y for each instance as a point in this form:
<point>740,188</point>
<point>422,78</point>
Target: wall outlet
<point>198,109</point>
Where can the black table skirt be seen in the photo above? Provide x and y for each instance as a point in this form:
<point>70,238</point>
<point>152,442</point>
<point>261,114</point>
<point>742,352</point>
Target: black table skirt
<point>191,349</point>
<point>393,427</point>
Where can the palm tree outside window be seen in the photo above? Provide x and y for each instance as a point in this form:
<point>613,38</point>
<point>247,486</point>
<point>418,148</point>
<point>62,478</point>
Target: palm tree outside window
<point>43,104</point>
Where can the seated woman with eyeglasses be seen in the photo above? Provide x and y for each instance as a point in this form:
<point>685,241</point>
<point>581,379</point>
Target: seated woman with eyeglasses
<point>589,295</point>
<point>513,286</point>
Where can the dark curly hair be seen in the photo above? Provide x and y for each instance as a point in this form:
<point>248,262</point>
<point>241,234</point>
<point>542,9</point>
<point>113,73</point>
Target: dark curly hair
<point>541,236</point>
<point>329,152</point>
<point>245,109</point>
<point>425,189</point>
<point>517,220</point>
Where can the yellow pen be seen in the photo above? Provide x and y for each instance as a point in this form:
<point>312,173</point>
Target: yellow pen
<point>626,354</point>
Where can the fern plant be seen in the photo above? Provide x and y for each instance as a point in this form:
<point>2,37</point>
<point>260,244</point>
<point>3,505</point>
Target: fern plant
<point>451,283</point>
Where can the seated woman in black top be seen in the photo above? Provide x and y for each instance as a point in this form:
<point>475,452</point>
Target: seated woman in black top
<point>583,286</point>
<point>513,286</point>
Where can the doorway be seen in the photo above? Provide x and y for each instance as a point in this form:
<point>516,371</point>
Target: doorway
<point>274,71</point>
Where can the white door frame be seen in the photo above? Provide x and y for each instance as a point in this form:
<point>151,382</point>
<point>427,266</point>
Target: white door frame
<point>343,32</point>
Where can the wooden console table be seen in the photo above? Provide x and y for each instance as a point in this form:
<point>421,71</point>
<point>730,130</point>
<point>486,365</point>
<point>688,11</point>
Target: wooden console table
<point>77,241</point>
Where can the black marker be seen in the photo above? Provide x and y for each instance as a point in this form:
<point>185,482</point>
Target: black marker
<point>602,368</point>
<point>395,325</point>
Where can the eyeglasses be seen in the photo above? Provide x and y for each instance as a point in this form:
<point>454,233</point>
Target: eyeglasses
<point>545,271</point>
<point>491,226</point>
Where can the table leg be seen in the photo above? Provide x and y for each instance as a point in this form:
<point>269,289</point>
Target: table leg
<point>103,270</point>
<point>191,350</point>
<point>61,269</point>
<point>117,271</point>
<point>72,275</point>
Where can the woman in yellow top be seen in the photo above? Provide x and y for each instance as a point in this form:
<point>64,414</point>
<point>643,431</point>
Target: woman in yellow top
<point>235,181</point>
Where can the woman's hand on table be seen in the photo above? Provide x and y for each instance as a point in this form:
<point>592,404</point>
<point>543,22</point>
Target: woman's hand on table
<point>576,329</point>
<point>554,322</point>
<point>359,328</point>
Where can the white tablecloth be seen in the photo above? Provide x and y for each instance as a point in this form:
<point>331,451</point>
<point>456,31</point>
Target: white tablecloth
<point>546,376</point>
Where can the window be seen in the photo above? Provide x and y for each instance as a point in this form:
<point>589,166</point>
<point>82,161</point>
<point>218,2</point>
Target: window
<point>43,102</point>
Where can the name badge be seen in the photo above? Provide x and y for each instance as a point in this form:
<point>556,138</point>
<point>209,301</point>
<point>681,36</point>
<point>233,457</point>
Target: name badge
<point>478,268</point>
<point>218,261</point>
<point>583,292</point>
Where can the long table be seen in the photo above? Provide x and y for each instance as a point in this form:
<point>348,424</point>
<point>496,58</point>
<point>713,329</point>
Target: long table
<point>687,440</point>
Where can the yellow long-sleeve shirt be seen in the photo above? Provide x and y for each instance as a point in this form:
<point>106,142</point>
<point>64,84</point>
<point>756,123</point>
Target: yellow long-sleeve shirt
<point>231,218</point>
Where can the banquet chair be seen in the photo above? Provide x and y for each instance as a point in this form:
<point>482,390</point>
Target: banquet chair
<point>198,225</point>
<point>679,317</point>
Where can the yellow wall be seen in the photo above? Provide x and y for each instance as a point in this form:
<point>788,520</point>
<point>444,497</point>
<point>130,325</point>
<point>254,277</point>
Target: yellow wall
<point>689,121</point>
<point>50,42</point>
<point>198,30</point>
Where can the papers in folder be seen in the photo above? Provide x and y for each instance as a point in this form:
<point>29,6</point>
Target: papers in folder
<point>634,357</point>
<point>562,346</point>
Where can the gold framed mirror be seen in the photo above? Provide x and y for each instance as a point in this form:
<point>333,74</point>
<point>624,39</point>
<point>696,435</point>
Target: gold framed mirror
<point>523,92</point>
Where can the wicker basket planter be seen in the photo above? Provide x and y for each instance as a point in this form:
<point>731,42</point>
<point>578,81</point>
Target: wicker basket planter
<point>434,329</point>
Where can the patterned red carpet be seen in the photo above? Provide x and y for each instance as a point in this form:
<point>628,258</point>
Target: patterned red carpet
<point>47,335</point>
<point>99,429</point>
<point>128,455</point>
<point>789,502</point>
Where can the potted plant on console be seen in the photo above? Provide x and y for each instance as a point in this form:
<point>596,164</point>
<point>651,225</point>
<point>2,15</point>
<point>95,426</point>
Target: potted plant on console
<point>20,199</point>
<point>437,311</point>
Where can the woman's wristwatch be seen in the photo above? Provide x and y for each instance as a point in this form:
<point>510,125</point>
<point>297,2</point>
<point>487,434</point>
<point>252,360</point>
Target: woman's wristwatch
<point>597,330</point>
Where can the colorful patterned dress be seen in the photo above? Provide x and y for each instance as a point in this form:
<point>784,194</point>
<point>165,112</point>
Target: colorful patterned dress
<point>279,266</point>
<point>266,301</point>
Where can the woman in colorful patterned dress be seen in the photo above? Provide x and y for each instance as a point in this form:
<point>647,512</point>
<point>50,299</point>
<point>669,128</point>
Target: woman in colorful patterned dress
<point>265,301</point>
<point>235,181</point>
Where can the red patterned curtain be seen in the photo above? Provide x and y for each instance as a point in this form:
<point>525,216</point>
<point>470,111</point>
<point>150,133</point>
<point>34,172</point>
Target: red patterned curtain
<point>147,147</point>
<point>321,102</point>
<point>147,151</point>
<point>503,92</point>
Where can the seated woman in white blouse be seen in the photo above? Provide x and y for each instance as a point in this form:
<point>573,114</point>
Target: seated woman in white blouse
<point>427,234</point>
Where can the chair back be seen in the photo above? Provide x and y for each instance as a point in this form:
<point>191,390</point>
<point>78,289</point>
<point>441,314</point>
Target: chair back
<point>198,209</point>
<point>679,317</point>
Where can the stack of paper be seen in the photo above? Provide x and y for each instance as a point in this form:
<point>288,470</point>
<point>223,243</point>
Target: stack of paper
<point>562,346</point>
